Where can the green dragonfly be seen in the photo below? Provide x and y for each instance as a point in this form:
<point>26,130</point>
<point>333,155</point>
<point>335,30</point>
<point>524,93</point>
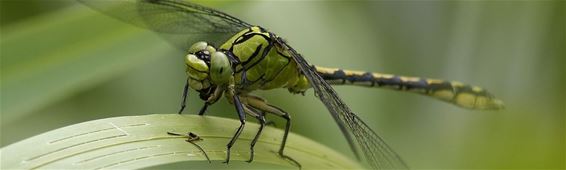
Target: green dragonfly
<point>252,58</point>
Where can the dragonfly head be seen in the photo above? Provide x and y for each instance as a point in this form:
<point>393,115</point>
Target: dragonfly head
<point>207,67</point>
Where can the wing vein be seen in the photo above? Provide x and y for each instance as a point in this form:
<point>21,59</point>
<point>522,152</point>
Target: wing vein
<point>377,153</point>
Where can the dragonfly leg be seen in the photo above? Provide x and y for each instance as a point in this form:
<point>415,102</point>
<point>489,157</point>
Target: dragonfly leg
<point>203,108</point>
<point>242,116</point>
<point>260,116</point>
<point>185,94</point>
<point>262,105</point>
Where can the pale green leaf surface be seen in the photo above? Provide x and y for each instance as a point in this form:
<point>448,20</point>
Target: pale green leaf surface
<point>141,141</point>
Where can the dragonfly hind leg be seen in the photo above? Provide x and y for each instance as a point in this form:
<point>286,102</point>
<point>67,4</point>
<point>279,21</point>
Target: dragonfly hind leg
<point>262,105</point>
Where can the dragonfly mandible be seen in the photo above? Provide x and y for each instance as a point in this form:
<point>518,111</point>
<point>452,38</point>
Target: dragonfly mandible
<point>251,58</point>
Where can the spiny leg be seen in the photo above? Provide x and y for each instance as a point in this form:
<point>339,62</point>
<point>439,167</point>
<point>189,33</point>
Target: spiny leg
<point>185,94</point>
<point>242,117</point>
<point>262,105</point>
<point>261,118</point>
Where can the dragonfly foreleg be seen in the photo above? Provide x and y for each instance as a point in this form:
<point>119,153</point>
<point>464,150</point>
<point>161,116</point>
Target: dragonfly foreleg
<point>241,116</point>
<point>185,94</point>
<point>262,105</point>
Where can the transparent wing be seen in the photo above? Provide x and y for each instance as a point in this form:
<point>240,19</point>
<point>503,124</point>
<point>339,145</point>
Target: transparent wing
<point>375,150</point>
<point>180,22</point>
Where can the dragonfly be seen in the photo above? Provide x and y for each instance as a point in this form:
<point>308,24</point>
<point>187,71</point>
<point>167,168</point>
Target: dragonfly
<point>228,57</point>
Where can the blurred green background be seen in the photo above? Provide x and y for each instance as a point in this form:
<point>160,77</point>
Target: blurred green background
<point>63,63</point>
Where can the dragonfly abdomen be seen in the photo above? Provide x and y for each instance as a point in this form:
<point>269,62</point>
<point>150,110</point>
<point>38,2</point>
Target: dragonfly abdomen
<point>463,95</point>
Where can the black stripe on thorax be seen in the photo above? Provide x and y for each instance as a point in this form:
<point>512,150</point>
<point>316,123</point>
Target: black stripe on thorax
<point>246,36</point>
<point>254,55</point>
<point>237,39</point>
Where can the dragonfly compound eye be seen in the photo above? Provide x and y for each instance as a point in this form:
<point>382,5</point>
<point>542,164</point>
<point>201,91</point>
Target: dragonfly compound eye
<point>220,68</point>
<point>202,50</point>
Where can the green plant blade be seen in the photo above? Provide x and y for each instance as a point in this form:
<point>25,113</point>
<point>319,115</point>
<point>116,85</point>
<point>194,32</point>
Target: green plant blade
<point>134,142</point>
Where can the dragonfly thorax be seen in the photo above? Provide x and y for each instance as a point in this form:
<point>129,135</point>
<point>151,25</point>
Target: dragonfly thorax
<point>207,67</point>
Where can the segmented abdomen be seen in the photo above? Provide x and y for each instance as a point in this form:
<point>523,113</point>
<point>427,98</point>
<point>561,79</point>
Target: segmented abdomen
<point>463,95</point>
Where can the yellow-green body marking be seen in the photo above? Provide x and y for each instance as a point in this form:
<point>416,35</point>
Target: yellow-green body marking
<point>463,95</point>
<point>276,69</point>
<point>267,66</point>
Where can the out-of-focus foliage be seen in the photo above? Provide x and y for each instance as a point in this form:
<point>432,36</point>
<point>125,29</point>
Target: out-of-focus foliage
<point>60,58</point>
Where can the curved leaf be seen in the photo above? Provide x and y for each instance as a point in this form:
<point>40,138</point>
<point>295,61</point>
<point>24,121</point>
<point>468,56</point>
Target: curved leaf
<point>134,142</point>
